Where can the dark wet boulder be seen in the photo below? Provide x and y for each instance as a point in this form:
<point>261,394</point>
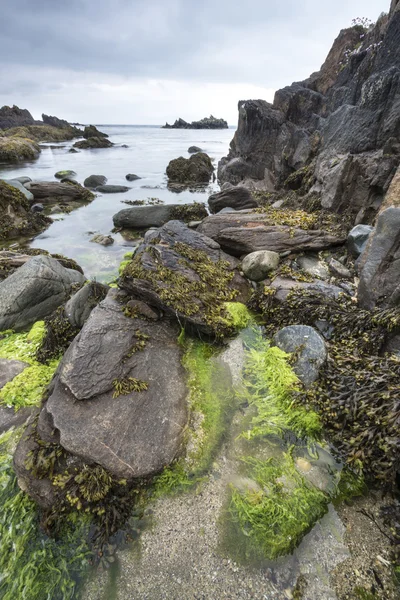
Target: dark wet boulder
<point>194,149</point>
<point>16,149</point>
<point>34,291</point>
<point>139,217</point>
<point>64,174</point>
<point>91,131</point>
<point>93,142</point>
<point>238,198</point>
<point>119,397</point>
<point>94,181</point>
<point>196,169</point>
<point>242,233</point>
<point>81,304</point>
<point>309,348</point>
<point>49,192</point>
<point>358,238</point>
<point>379,268</point>
<point>186,275</point>
<point>112,189</point>
<point>13,116</point>
<point>132,177</point>
<point>16,218</point>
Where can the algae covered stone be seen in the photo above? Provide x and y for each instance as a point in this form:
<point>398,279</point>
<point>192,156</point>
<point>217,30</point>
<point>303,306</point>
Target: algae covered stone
<point>257,265</point>
<point>196,169</point>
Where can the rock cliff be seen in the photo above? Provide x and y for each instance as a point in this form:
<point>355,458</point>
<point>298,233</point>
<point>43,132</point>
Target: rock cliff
<point>339,129</point>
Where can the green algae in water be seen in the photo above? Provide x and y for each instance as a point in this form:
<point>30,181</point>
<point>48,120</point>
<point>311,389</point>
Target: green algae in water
<point>27,388</point>
<point>33,566</point>
<point>270,385</point>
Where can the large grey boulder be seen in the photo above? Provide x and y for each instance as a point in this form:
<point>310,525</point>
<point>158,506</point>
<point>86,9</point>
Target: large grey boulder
<point>358,238</point>
<point>237,197</point>
<point>15,183</point>
<point>187,276</point>
<point>93,181</point>
<point>257,265</point>
<point>380,263</point>
<point>132,434</point>
<point>242,233</point>
<point>196,169</point>
<point>139,217</point>
<point>112,189</point>
<point>49,192</point>
<point>34,291</point>
<point>310,349</point>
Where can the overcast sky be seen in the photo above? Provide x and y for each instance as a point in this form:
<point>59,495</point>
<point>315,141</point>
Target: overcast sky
<point>148,61</point>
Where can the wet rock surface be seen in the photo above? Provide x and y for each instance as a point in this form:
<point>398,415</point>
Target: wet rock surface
<point>196,169</point>
<point>93,181</point>
<point>10,369</point>
<point>49,192</point>
<point>238,198</point>
<point>155,216</point>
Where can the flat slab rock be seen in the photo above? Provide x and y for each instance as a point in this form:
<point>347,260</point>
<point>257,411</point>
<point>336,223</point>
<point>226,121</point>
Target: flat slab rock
<point>159,249</point>
<point>34,291</point>
<point>131,435</point>
<point>242,233</point>
<point>152,216</point>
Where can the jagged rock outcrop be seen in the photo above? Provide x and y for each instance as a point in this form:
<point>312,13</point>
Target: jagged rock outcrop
<point>13,116</point>
<point>196,169</point>
<point>342,125</point>
<point>60,124</point>
<point>92,131</point>
<point>94,142</point>
<point>16,218</point>
<point>206,123</point>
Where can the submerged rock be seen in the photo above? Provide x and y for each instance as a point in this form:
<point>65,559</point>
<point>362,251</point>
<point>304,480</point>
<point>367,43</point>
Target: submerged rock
<point>196,169</point>
<point>155,216</point>
<point>34,291</point>
<point>194,149</point>
<point>103,240</point>
<point>257,265</point>
<point>64,174</point>
<point>98,411</point>
<point>94,142</point>
<point>186,275</point>
<point>309,348</point>
<point>132,177</point>
<point>91,131</point>
<point>237,198</point>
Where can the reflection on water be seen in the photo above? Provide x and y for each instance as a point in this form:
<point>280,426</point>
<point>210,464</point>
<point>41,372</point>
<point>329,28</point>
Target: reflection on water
<point>148,153</point>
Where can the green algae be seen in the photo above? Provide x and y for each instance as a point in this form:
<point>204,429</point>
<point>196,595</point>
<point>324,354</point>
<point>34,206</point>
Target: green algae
<point>27,388</point>
<point>239,316</point>
<point>33,566</point>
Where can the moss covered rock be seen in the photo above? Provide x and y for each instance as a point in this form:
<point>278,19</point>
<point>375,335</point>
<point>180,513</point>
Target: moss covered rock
<point>17,149</point>
<point>196,169</point>
<point>16,218</point>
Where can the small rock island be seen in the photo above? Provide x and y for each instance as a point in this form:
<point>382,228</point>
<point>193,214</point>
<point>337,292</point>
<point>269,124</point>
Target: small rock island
<point>206,123</point>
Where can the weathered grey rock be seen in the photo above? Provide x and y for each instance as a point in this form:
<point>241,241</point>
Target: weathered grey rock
<point>237,197</point>
<point>81,304</point>
<point>160,249</point>
<point>37,207</point>
<point>34,291</point>
<point>257,265</point>
<point>64,174</point>
<point>15,183</point>
<point>242,233</point>
<point>358,238</point>
<point>94,142</point>
<point>310,347</point>
<point>196,169</point>
<point>10,369</point>
<point>92,131</point>
<point>139,217</point>
<point>16,218</point>
<point>112,189</point>
<point>49,192</point>
<point>194,149</point>
<point>132,177</point>
<point>131,435</point>
<point>284,285</point>
<point>22,179</point>
<point>11,418</point>
<point>73,151</point>
<point>103,240</point>
<point>94,181</point>
<point>338,270</point>
<point>380,263</point>
<point>313,266</point>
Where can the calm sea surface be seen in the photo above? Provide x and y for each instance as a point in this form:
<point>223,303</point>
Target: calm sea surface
<point>150,149</point>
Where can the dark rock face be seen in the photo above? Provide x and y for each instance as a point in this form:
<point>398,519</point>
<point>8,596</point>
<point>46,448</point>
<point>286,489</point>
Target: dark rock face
<point>206,123</point>
<point>92,131</point>
<point>93,181</point>
<point>238,198</point>
<point>49,192</point>
<point>186,275</point>
<point>16,218</point>
<point>194,149</point>
<point>139,217</point>
<point>34,291</point>
<point>242,233</point>
<point>132,177</point>
<point>132,434</point>
<point>12,116</point>
<point>343,124</point>
<point>310,347</point>
<point>60,124</point>
<point>380,263</point>
<point>112,189</point>
<point>81,304</point>
<point>94,142</point>
<point>196,169</point>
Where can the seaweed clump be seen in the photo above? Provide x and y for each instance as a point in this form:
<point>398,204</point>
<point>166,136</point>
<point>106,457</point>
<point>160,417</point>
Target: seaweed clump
<point>189,212</point>
<point>16,217</point>
<point>357,393</point>
<point>59,334</point>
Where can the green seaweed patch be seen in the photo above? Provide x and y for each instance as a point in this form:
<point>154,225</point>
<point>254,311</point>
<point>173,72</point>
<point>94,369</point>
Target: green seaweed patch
<point>189,212</point>
<point>239,316</point>
<point>59,334</point>
<point>123,387</point>
<point>279,507</point>
<point>34,566</point>
<point>291,218</point>
<point>270,384</point>
<point>27,388</point>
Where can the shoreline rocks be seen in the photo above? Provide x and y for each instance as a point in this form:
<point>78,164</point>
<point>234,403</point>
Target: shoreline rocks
<point>140,217</point>
<point>206,123</point>
<point>196,169</point>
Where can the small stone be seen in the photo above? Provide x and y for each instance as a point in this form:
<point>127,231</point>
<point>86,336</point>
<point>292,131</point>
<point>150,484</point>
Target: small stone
<point>132,177</point>
<point>258,264</point>
<point>338,270</point>
<point>313,266</point>
<point>303,465</point>
<point>358,238</point>
<point>103,240</point>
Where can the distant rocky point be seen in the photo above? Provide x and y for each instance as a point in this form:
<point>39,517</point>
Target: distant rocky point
<point>206,123</point>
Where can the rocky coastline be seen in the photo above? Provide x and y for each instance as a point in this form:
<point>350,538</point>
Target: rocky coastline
<point>206,123</point>
<point>238,379</point>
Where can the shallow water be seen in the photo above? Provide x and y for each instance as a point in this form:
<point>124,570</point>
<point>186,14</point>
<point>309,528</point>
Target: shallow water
<point>150,149</point>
